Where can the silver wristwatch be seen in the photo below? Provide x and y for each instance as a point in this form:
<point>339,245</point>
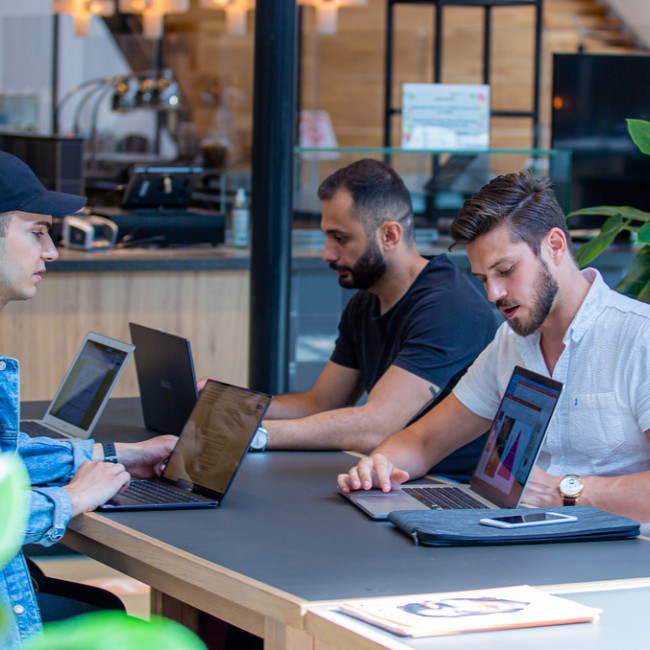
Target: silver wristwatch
<point>260,439</point>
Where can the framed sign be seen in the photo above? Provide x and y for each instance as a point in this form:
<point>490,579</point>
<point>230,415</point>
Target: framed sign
<point>446,116</point>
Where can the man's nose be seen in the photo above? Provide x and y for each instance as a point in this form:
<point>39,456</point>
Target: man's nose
<point>49,252</point>
<point>495,290</point>
<point>329,254</point>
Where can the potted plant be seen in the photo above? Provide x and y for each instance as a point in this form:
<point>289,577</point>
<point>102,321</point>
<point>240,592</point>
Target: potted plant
<point>636,282</point>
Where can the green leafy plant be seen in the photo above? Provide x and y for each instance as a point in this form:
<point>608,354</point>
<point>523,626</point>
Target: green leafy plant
<point>98,631</point>
<point>14,506</point>
<point>114,630</point>
<point>14,497</point>
<point>636,282</point>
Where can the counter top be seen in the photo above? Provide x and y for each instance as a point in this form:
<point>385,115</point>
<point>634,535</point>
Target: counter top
<point>191,258</point>
<point>612,262</point>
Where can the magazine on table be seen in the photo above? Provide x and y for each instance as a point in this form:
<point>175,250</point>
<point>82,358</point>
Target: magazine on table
<point>469,611</point>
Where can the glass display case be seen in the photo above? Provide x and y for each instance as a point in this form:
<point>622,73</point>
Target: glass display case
<point>439,181</point>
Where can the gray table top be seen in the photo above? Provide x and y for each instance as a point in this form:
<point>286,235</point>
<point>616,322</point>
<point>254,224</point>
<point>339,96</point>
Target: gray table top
<point>284,524</point>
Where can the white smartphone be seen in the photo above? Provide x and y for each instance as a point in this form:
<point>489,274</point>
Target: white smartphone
<point>532,519</point>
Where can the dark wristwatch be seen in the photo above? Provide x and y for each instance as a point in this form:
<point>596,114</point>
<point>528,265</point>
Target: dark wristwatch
<point>110,455</point>
<point>571,487</point>
<point>260,439</point>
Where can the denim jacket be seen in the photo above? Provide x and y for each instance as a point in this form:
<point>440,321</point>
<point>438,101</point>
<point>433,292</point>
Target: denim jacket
<point>50,464</point>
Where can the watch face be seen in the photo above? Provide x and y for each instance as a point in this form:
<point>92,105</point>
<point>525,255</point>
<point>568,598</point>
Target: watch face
<point>571,486</point>
<point>260,439</point>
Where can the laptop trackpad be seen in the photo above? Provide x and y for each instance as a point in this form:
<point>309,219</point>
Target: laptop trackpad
<point>377,503</point>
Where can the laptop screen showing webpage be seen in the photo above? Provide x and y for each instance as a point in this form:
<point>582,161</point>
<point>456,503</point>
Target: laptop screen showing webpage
<point>215,438</point>
<point>515,438</point>
<point>88,384</point>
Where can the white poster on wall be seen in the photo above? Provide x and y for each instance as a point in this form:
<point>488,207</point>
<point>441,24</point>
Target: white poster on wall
<point>317,132</point>
<point>446,116</point>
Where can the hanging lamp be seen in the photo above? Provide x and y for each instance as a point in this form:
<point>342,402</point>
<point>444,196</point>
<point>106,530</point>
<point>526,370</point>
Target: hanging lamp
<point>153,12</point>
<point>327,12</point>
<point>82,11</point>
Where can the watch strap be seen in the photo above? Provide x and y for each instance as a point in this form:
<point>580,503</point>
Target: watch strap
<point>569,501</point>
<point>110,454</point>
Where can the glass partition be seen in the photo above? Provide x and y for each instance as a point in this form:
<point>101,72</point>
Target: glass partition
<point>439,181</point>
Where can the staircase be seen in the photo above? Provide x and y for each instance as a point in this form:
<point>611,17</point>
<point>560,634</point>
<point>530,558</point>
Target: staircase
<point>587,25</point>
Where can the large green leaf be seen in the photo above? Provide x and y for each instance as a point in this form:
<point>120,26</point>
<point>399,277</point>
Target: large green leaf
<point>14,505</point>
<point>594,247</point>
<point>633,214</point>
<point>636,283</point>
<point>640,133</point>
<point>643,234</point>
<point>115,631</point>
<point>14,508</point>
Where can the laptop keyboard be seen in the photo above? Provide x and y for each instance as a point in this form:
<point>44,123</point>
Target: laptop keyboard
<point>447,498</point>
<point>34,428</point>
<point>145,491</point>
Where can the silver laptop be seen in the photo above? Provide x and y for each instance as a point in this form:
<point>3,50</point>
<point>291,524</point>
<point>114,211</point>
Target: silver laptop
<point>505,464</point>
<point>163,364</point>
<point>207,456</point>
<point>85,390</point>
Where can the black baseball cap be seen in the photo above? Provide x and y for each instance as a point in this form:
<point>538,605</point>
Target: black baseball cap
<point>21,190</point>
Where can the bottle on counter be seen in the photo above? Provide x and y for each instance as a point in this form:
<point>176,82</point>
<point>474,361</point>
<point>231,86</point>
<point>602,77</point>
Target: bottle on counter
<point>240,217</point>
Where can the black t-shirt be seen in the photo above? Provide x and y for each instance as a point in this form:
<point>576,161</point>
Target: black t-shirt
<point>435,331</point>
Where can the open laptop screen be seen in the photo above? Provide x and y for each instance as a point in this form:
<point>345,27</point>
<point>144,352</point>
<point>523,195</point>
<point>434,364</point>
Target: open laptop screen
<point>216,437</point>
<point>88,384</point>
<point>160,187</point>
<point>516,437</point>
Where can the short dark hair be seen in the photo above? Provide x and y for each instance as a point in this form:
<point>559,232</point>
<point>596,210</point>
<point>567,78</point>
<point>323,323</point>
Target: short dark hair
<point>526,204</point>
<point>378,193</point>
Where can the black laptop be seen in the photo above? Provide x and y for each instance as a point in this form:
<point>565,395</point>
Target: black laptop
<point>207,456</point>
<point>165,371</point>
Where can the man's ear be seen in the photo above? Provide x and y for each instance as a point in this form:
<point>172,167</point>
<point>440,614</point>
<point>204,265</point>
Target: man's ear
<point>390,234</point>
<point>556,244</point>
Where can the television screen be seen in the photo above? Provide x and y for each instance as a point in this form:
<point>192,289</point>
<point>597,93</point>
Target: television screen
<point>593,94</point>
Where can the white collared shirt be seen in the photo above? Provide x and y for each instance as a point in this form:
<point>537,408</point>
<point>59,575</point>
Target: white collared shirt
<point>604,411</point>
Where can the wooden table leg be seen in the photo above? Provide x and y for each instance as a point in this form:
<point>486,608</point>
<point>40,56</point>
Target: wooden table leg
<point>176,610</point>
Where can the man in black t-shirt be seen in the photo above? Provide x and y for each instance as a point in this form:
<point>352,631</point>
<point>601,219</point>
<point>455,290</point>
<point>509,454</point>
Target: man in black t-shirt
<point>404,339</point>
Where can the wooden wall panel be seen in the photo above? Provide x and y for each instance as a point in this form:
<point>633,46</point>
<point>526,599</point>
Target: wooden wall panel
<point>343,73</point>
<point>210,308</point>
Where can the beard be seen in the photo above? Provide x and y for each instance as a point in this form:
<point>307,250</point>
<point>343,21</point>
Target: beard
<point>546,289</point>
<point>367,270</point>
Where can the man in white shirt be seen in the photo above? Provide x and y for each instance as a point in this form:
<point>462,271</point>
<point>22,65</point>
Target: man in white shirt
<point>562,323</point>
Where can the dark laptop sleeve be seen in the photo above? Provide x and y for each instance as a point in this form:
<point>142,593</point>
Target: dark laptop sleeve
<point>462,527</point>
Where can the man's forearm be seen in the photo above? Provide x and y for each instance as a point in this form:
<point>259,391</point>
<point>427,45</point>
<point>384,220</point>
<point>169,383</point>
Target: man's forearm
<point>292,405</point>
<point>407,451</point>
<point>354,428</point>
<point>627,495</point>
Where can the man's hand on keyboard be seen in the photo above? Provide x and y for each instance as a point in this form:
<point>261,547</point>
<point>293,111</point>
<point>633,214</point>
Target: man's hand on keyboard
<point>373,472</point>
<point>94,484</point>
<point>145,459</point>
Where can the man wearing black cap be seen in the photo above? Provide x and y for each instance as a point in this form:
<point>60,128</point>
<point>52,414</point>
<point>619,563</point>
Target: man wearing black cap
<point>83,475</point>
